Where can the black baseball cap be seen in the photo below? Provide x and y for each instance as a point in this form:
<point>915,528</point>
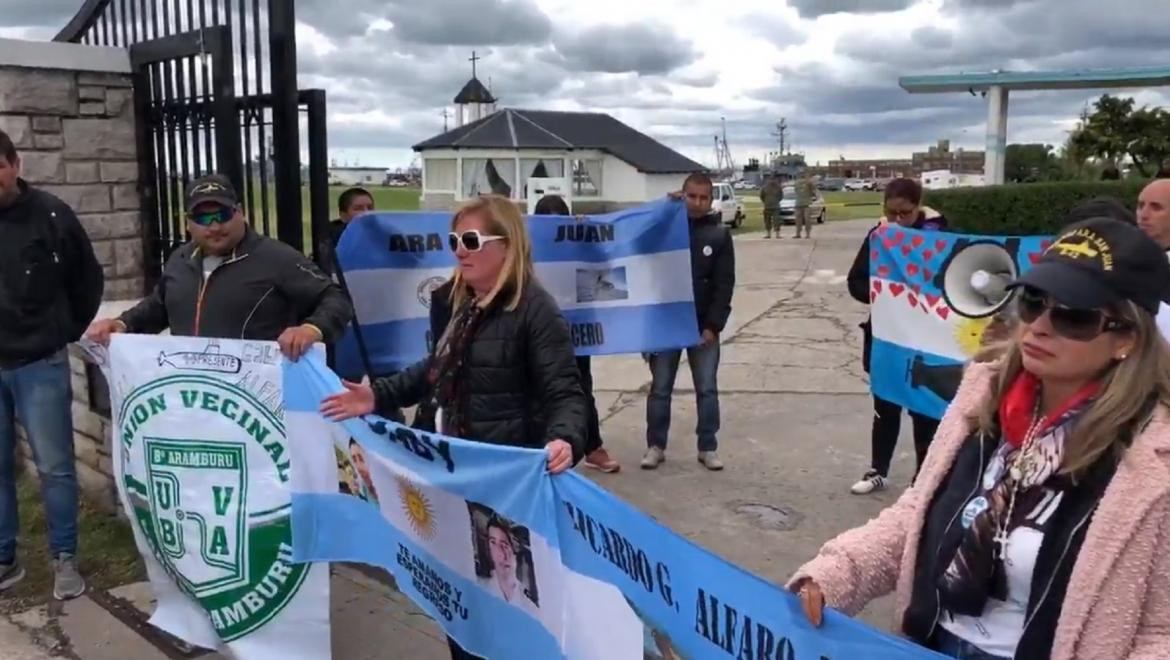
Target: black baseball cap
<point>211,188</point>
<point>1099,262</point>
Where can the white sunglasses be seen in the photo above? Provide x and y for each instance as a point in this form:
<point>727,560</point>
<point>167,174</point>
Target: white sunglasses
<point>472,240</point>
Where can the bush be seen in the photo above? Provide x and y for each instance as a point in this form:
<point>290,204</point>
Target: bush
<point>1024,208</point>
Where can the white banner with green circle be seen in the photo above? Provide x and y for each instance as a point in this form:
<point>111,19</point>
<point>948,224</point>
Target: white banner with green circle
<point>202,469</point>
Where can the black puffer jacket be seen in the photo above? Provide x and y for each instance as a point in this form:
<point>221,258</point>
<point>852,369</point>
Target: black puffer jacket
<point>712,272</point>
<point>520,382</point>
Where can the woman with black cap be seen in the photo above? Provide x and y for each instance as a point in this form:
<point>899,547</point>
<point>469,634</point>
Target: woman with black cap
<point>1038,525</point>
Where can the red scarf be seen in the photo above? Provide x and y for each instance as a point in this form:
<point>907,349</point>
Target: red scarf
<point>1018,406</point>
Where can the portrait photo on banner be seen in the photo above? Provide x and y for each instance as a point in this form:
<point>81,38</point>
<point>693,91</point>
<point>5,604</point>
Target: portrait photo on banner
<point>503,558</point>
<point>353,470</point>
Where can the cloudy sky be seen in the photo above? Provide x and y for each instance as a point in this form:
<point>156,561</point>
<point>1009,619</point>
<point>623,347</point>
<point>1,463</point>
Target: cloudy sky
<point>673,68</point>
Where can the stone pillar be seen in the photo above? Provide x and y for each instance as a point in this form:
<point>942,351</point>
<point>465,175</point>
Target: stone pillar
<point>70,110</point>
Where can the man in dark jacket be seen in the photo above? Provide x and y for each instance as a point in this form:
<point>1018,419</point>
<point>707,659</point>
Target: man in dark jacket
<point>350,204</point>
<point>50,288</point>
<point>230,282</point>
<point>713,276</point>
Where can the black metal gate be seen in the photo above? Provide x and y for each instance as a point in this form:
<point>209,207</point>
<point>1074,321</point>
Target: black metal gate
<point>215,91</point>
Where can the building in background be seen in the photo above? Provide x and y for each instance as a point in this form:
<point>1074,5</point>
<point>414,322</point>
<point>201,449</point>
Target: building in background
<point>943,179</point>
<point>876,168</point>
<point>608,164</point>
<point>940,157</point>
<point>357,176</point>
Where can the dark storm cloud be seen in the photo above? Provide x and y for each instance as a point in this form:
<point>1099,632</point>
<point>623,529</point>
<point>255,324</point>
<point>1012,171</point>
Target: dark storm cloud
<point>435,22</point>
<point>641,48</point>
<point>814,8</point>
<point>470,22</point>
<point>49,15</point>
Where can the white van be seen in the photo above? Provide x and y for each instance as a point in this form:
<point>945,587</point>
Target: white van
<point>726,204</point>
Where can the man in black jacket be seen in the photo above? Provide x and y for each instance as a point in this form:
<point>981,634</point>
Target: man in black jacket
<point>230,282</point>
<point>350,204</point>
<point>713,276</point>
<point>50,288</point>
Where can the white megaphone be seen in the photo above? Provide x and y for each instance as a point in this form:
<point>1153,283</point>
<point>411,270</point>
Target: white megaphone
<point>976,277</point>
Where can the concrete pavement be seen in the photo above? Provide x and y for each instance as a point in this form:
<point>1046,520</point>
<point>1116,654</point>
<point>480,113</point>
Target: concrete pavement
<point>795,435</point>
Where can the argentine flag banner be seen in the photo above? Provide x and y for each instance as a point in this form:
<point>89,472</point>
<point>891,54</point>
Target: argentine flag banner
<point>203,467</point>
<point>622,281</point>
<point>928,319</point>
<point>515,563</point>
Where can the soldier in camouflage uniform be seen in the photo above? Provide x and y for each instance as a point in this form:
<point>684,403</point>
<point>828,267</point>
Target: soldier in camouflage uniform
<point>770,195</point>
<point>804,197</point>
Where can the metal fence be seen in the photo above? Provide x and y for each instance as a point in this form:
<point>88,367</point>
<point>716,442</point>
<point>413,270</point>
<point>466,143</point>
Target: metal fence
<point>215,87</point>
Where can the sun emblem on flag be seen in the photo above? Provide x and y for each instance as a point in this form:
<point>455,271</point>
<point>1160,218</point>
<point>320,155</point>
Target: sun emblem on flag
<point>969,334</point>
<point>417,508</point>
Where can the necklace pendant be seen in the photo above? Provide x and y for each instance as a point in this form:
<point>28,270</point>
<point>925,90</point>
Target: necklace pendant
<point>1016,472</point>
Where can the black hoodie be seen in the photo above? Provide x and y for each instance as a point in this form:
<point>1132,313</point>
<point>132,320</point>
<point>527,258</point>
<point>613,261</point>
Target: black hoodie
<point>50,281</point>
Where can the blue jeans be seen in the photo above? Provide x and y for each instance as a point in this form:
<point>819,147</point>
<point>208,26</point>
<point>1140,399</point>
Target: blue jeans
<point>40,395</point>
<point>704,363</point>
<point>950,645</point>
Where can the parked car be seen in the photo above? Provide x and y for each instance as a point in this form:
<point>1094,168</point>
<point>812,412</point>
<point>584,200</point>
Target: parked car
<point>855,184</point>
<point>831,184</point>
<point>727,205</point>
<point>816,209</point>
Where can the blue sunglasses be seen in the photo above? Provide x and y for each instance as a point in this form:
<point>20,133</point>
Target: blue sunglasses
<point>221,215</point>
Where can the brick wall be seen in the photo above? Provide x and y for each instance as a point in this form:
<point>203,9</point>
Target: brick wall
<point>74,130</point>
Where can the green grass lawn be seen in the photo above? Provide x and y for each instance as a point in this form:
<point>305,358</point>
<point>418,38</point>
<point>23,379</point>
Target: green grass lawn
<point>842,205</point>
<point>107,554</point>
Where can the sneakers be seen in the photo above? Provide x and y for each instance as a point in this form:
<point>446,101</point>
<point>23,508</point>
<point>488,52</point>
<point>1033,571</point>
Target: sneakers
<point>67,582</point>
<point>10,574</point>
<point>710,460</point>
<point>870,482</point>
<point>768,235</point>
<point>599,459</point>
<point>653,458</point>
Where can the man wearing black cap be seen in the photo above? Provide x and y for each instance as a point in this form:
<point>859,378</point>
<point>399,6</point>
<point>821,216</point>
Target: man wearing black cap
<point>233,283</point>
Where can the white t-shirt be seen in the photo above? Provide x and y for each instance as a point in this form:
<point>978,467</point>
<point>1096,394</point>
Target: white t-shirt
<point>1163,320</point>
<point>999,629</point>
<point>210,263</point>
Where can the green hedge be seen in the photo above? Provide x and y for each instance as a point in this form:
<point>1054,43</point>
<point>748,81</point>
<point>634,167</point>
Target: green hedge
<point>1023,208</point>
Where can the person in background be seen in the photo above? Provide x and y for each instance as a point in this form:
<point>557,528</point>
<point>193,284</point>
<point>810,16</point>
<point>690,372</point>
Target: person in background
<point>1153,212</point>
<point>713,278</point>
<point>1153,217</point>
<point>805,192</point>
<point>50,288</point>
<point>1037,528</point>
<point>350,204</point>
<point>502,371</point>
<point>232,283</point>
<point>903,206</point>
<point>771,194</point>
<point>596,456</point>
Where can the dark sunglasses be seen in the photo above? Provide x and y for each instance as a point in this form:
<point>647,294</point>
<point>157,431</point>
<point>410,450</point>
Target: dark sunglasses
<point>472,240</point>
<point>1074,324</point>
<point>221,215</point>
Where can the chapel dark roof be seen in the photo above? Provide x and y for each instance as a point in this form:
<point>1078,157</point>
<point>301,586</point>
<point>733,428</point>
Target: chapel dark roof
<point>545,129</point>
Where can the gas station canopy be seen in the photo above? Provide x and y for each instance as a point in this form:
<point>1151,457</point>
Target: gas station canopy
<point>996,84</point>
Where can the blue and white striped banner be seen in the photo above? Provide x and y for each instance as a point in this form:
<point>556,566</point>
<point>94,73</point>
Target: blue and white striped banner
<point>622,281</point>
<point>515,563</point>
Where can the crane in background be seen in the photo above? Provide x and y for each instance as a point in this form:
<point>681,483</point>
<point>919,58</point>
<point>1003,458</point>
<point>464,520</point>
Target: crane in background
<point>724,164</point>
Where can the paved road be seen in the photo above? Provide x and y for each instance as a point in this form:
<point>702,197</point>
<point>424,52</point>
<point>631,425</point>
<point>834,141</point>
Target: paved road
<point>795,435</point>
